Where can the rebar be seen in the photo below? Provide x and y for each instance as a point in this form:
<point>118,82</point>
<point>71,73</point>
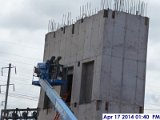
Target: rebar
<point>135,7</point>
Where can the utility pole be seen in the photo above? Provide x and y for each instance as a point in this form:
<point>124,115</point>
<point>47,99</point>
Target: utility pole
<point>7,88</point>
<point>8,83</point>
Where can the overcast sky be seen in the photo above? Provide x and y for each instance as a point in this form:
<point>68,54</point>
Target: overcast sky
<point>23,25</point>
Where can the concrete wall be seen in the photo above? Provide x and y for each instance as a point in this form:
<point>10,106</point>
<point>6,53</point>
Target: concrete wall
<point>124,62</point>
<point>117,43</point>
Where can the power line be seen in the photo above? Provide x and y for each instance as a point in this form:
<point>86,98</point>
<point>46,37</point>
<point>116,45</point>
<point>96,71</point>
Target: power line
<point>25,45</point>
<point>17,95</point>
<point>23,97</point>
<point>20,94</point>
<point>21,74</point>
<point>20,62</point>
<point>17,80</point>
<point>18,55</point>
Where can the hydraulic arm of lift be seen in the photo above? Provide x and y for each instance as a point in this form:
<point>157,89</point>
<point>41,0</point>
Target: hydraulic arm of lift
<point>50,73</point>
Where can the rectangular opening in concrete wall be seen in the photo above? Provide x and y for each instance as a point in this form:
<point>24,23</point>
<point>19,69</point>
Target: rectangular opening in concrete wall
<point>105,14</point>
<point>66,89</point>
<point>106,106</point>
<point>73,29</point>
<point>98,104</point>
<point>113,14</point>
<point>86,82</point>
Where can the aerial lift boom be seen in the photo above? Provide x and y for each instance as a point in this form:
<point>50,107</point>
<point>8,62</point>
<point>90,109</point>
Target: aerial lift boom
<point>51,73</point>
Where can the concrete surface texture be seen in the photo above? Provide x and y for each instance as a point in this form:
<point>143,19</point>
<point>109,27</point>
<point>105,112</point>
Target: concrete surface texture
<point>107,52</point>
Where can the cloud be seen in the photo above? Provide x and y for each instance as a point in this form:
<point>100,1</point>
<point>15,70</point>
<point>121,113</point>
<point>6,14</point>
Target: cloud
<point>24,20</point>
<point>152,99</point>
<point>153,56</point>
<point>20,14</point>
<point>154,21</point>
<point>32,14</point>
<point>35,14</point>
<point>153,66</point>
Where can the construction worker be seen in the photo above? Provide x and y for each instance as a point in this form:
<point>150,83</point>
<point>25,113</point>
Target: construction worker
<point>51,66</point>
<point>52,60</point>
<point>57,67</point>
<point>57,60</point>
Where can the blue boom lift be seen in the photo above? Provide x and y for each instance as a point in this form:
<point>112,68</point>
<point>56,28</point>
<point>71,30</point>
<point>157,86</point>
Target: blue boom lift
<point>51,73</point>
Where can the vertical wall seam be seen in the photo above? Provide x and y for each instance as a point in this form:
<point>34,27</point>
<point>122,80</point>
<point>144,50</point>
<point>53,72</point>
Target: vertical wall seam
<point>137,61</point>
<point>110,75</point>
<point>123,59</point>
<point>101,74</point>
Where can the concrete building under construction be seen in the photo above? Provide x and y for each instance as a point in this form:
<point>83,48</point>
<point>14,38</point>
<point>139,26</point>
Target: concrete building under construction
<point>106,57</point>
